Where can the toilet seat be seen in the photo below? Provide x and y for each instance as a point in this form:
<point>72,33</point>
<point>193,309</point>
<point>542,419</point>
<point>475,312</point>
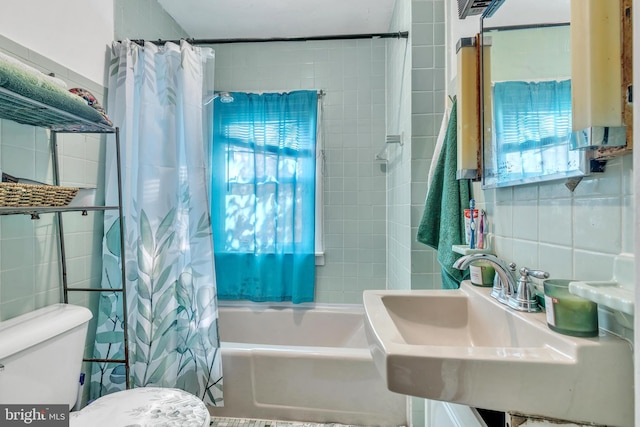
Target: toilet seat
<point>144,406</point>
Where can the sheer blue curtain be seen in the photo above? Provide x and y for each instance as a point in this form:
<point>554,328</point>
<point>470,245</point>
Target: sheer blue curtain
<point>263,196</point>
<point>532,123</point>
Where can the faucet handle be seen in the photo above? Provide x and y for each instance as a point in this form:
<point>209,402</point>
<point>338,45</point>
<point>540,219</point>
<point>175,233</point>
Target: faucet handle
<point>538,274</point>
<point>525,296</point>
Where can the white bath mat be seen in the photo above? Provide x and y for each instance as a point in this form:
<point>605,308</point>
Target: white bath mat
<point>247,422</point>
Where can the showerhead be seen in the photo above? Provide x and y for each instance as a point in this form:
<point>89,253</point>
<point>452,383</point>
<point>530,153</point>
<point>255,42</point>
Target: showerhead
<point>225,97</point>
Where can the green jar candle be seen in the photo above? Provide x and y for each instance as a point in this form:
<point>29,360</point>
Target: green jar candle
<point>567,313</point>
<point>482,273</point>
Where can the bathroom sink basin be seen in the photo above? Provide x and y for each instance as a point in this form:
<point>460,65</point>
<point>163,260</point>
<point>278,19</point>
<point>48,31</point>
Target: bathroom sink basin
<point>462,346</point>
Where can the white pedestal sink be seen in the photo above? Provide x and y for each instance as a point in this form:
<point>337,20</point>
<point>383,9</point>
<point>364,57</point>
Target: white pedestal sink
<point>462,346</point>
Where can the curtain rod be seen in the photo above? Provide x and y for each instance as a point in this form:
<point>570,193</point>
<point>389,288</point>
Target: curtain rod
<point>397,35</point>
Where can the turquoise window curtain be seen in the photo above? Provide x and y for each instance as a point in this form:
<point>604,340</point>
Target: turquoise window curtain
<point>263,196</point>
<point>532,123</point>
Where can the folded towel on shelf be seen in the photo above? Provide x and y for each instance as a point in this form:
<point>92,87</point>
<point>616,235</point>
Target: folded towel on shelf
<point>442,224</point>
<point>29,69</point>
<point>30,83</point>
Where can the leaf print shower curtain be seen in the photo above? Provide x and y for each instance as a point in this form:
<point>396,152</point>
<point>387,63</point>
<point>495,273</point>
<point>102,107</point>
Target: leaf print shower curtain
<point>155,98</point>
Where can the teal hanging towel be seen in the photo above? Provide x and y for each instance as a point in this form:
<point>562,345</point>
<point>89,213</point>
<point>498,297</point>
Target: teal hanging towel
<point>442,224</point>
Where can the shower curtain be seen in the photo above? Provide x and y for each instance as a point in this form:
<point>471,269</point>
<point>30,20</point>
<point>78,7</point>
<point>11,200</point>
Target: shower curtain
<point>156,99</point>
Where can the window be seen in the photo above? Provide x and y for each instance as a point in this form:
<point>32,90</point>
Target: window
<point>263,196</point>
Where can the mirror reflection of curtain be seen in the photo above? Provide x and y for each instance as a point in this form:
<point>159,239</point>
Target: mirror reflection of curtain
<point>155,98</point>
<point>532,128</point>
<point>263,196</point>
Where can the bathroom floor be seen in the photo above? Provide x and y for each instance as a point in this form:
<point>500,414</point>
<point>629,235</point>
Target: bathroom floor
<point>246,422</point>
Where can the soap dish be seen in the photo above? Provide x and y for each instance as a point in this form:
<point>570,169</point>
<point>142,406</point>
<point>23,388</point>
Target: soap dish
<point>610,294</point>
<point>466,250</point>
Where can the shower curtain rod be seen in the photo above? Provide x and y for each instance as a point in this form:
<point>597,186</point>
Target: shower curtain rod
<point>397,35</point>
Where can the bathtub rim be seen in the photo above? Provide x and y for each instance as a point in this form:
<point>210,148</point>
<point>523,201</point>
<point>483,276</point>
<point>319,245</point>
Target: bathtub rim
<point>289,305</point>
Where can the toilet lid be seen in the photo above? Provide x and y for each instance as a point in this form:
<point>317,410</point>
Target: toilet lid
<point>145,406</point>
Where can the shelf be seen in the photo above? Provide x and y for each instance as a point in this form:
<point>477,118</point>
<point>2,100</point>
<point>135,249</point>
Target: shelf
<point>23,110</point>
<point>35,210</point>
<point>30,112</point>
<point>95,289</point>
<point>618,293</point>
<point>610,294</point>
<point>465,250</point>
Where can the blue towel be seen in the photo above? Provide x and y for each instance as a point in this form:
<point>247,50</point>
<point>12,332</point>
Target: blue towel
<point>442,224</point>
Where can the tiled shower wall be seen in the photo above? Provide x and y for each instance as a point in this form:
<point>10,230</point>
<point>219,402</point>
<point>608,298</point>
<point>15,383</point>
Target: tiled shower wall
<point>428,100</point>
<point>416,102</point>
<point>352,75</point>
<point>399,157</point>
<point>366,82</point>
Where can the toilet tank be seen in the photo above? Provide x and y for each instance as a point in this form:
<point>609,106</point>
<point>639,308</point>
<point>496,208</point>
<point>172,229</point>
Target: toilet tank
<point>42,353</point>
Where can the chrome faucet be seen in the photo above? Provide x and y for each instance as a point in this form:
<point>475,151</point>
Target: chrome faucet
<point>524,298</point>
<point>517,294</point>
<point>504,284</point>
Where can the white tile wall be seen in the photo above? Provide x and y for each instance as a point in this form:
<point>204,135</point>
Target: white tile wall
<point>427,110</point>
<point>571,235</point>
<point>398,168</point>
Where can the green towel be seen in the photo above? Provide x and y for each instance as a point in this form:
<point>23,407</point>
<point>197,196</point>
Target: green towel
<point>29,84</point>
<point>442,224</point>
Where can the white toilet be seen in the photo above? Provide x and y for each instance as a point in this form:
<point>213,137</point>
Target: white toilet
<point>41,358</point>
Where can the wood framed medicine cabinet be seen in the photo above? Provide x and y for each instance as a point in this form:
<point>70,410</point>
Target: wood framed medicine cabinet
<point>517,45</point>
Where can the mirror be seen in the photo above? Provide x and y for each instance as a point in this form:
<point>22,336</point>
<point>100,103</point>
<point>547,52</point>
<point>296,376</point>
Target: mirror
<point>527,106</point>
<point>529,54</point>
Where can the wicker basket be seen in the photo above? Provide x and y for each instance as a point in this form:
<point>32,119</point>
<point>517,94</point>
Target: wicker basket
<point>25,195</point>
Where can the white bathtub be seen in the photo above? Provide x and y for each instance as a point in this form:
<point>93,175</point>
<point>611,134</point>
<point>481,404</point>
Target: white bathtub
<point>308,362</point>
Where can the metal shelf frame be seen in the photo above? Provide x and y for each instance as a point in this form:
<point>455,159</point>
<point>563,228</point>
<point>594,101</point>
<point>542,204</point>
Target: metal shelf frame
<point>65,286</point>
<point>27,111</point>
<point>21,109</point>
